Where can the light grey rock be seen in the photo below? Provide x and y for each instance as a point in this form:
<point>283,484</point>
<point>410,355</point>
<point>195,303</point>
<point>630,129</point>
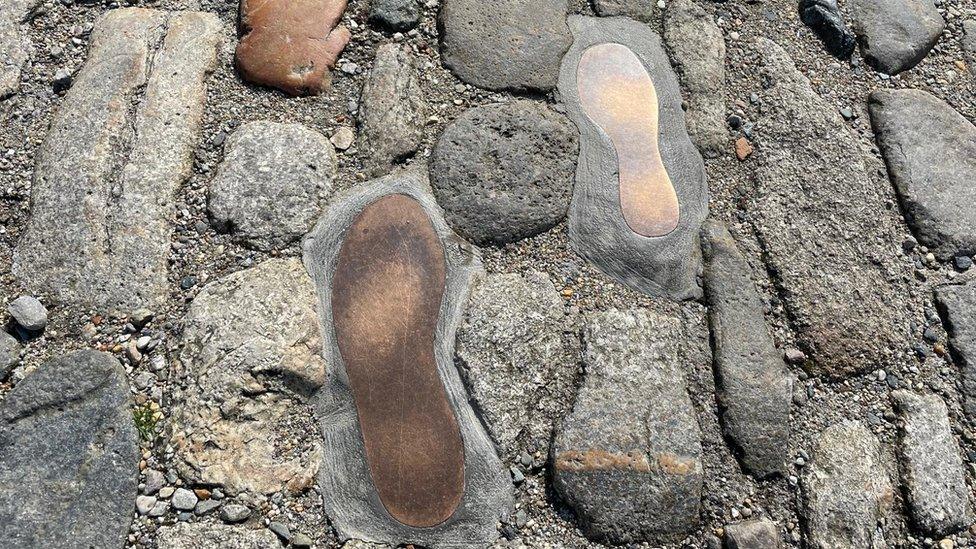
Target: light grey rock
<point>28,312</point>
<point>697,47</point>
<point>753,534</point>
<point>895,35</point>
<point>183,499</point>
<point>957,306</point>
<point>272,184</point>
<point>755,390</point>
<point>847,490</point>
<point>667,265</point>
<point>392,110</point>
<point>205,506</point>
<point>628,458</point>
<point>641,10</point>
<point>394,15</point>
<point>932,468</point>
<point>195,535</point>
<point>355,509</point>
<point>234,513</point>
<point>14,43</point>
<point>505,44</point>
<point>117,151</point>
<point>969,38</point>
<point>504,171</point>
<point>145,504</point>
<point>825,225</point>
<point>69,455</point>
<point>520,355</point>
<point>153,482</point>
<point>930,151</point>
<point>9,354</point>
<point>251,352</point>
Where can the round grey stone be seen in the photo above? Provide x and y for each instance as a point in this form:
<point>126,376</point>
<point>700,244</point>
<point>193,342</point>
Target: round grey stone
<point>504,172</point>
<point>234,513</point>
<point>28,312</point>
<point>184,500</point>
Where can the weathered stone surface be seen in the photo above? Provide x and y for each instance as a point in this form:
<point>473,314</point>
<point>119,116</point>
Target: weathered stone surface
<point>185,535</point>
<point>505,44</point>
<point>755,390</point>
<point>273,183</point>
<point>13,43</point>
<point>9,354</point>
<point>520,355</point>
<point>354,506</point>
<point>895,35</point>
<point>118,150</point>
<point>957,306</point>
<point>504,171</point>
<point>392,110</point>
<point>291,45</point>
<point>665,265</point>
<point>627,459</point>
<point>930,151</point>
<point>251,351</point>
<point>969,38</point>
<point>69,455</point>
<point>641,10</point>
<point>932,467</point>
<point>28,312</point>
<point>847,490</point>
<point>824,18</point>
<point>753,534</point>
<point>394,15</point>
<point>698,50</point>
<point>823,221</point>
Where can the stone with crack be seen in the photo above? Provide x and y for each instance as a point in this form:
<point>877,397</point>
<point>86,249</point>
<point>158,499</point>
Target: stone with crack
<point>628,458</point>
<point>251,349</point>
<point>69,455</point>
<point>520,355</point>
<point>640,195</point>
<point>291,45</point>
<point>117,151</point>
<point>392,280</point>
<point>755,389</point>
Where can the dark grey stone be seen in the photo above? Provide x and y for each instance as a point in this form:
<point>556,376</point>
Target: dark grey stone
<point>957,306</point>
<point>930,151</point>
<point>895,35</point>
<point>28,312</point>
<point>667,265</point>
<point>9,354</point>
<point>753,534</point>
<point>504,172</point>
<point>824,18</point>
<point>69,455</point>
<point>641,10</point>
<point>272,184</point>
<point>755,389</point>
<point>931,465</point>
<point>847,490</point>
<point>628,458</point>
<point>392,110</point>
<point>394,15</point>
<point>824,222</point>
<point>354,506</point>
<point>505,44</point>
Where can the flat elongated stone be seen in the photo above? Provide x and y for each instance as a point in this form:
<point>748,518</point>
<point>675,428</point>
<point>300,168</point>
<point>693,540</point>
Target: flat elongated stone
<point>641,227</point>
<point>847,490</point>
<point>272,184</point>
<point>69,455</point>
<point>641,10</point>
<point>627,459</point>
<point>825,225</point>
<point>895,35</point>
<point>118,149</point>
<point>291,44</point>
<point>755,389</point>
<point>13,43</point>
<point>385,271</point>
<point>505,44</point>
<point>930,151</point>
<point>697,47</point>
<point>393,109</point>
<point>957,306</point>
<point>932,467</point>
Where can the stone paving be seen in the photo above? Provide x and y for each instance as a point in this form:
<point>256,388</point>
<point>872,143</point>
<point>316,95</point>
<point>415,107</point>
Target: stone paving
<point>449,273</point>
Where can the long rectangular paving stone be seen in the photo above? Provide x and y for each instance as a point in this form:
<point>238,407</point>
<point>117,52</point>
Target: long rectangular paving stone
<point>118,149</point>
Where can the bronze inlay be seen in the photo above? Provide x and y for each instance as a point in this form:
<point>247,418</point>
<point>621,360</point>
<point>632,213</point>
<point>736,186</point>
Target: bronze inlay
<point>386,298</point>
<point>617,94</point>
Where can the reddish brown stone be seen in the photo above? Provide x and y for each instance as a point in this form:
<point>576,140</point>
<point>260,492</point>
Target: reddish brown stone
<point>743,149</point>
<point>291,44</point>
<point>386,299</point>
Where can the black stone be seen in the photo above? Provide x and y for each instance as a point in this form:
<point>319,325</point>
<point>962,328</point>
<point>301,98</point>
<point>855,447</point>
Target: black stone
<point>824,18</point>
